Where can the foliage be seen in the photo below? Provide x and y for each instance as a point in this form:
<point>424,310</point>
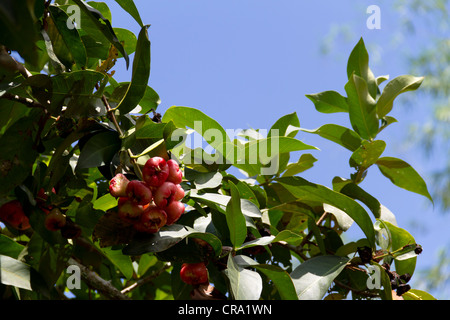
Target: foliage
<point>68,128</point>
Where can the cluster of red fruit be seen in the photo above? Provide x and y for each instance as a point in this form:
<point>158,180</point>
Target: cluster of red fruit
<point>12,213</point>
<point>154,202</point>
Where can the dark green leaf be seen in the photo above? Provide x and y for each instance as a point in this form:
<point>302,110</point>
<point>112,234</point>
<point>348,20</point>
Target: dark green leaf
<point>166,238</point>
<point>19,28</point>
<point>235,218</point>
<point>65,38</point>
<point>103,25</point>
<point>99,150</point>
<point>141,72</point>
<point>17,153</point>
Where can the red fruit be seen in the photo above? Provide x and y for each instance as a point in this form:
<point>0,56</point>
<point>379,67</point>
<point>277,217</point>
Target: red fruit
<point>194,273</point>
<point>139,192</point>
<point>55,220</point>
<point>165,194</point>
<point>175,174</point>
<point>174,211</point>
<point>129,210</point>
<point>155,171</point>
<point>12,214</point>
<point>118,185</point>
<point>152,219</point>
<point>179,194</point>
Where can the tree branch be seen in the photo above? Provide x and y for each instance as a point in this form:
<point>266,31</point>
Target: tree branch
<point>94,281</point>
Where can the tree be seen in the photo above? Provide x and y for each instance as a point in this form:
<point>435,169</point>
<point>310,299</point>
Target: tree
<point>90,187</point>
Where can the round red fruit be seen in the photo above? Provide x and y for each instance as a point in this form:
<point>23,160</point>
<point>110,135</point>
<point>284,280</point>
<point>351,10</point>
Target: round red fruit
<point>155,171</point>
<point>139,192</point>
<point>174,211</point>
<point>129,210</point>
<point>152,219</point>
<point>118,185</point>
<point>165,194</point>
<point>55,220</point>
<point>179,194</point>
<point>175,174</point>
<point>194,273</point>
<point>12,214</point>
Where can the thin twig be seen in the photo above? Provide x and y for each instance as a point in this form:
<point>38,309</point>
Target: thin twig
<point>112,117</point>
<point>145,280</point>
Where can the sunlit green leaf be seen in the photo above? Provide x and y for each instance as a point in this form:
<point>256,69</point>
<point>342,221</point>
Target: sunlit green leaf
<point>313,277</point>
<point>403,175</point>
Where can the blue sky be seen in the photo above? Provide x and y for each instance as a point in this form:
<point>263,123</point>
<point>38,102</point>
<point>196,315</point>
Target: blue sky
<point>246,63</point>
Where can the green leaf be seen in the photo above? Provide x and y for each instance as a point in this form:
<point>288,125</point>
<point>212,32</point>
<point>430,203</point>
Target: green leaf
<point>19,28</point>
<point>393,88</point>
<point>204,180</point>
<point>307,191</point>
<point>400,238</point>
<point>105,202</point>
<point>329,102</point>
<point>245,284</point>
<point>415,294</point>
<point>305,162</point>
<point>354,191</point>
<point>362,109</point>
<point>65,38</point>
<point>276,274</point>
<point>286,126</point>
<point>103,25</point>
<point>186,117</point>
<point>14,273</point>
<point>99,150</point>
<point>403,175</point>
<point>367,154</point>
<point>235,218</point>
<point>262,156</point>
<point>128,38</point>
<point>130,7</point>
<point>121,261</point>
<point>79,87</point>
<point>17,153</point>
<point>358,63</point>
<point>9,247</point>
<point>313,277</point>
<point>167,237</point>
<point>345,137</point>
<point>248,208</point>
<point>140,74</point>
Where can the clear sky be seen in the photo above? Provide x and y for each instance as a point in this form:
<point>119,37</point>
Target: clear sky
<point>246,63</point>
